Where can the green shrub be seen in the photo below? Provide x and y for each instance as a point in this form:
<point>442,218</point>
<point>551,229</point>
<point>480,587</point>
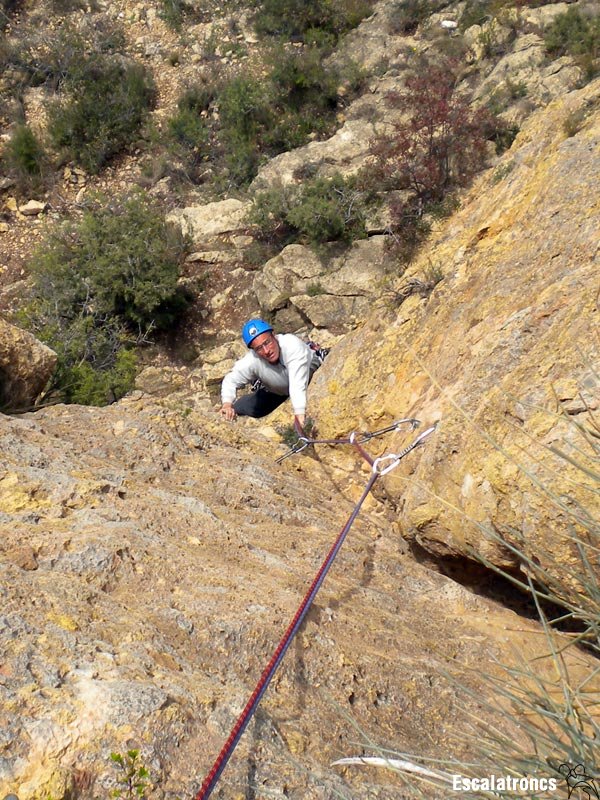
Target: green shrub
<point>197,98</point>
<point>503,136</point>
<point>188,129</point>
<point>320,210</point>
<point>300,76</point>
<point>573,33</point>
<point>327,210</point>
<point>87,386</point>
<point>516,89</point>
<point>475,12</point>
<point>189,135</point>
<point>289,436</point>
<point>407,15</point>
<point>315,289</point>
<point>52,58</point>
<point>577,35</point>
<point>101,285</point>
<point>244,108</point>
<point>310,20</point>
<point>25,158</point>
<point>245,113</point>
<point>269,214</point>
<point>134,777</point>
<point>304,93</point>
<point>106,106</point>
<point>172,11</point>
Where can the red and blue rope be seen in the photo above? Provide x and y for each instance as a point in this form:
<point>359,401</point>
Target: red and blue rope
<point>240,726</point>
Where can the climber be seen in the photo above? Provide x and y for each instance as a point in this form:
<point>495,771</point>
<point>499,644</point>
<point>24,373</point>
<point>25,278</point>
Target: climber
<point>277,367</point>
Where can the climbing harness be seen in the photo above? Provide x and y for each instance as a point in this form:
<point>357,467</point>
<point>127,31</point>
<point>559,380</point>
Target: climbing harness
<point>377,469</point>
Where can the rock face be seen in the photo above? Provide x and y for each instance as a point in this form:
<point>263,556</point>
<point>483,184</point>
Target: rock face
<point>503,353</point>
<point>150,560</point>
<point>335,296</point>
<point>212,219</point>
<point>26,366</point>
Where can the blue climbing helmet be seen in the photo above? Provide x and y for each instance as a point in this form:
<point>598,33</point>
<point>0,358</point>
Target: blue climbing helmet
<point>254,328</point>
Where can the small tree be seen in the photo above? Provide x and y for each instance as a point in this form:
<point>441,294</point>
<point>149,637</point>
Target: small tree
<point>438,145</point>
<point>442,141</point>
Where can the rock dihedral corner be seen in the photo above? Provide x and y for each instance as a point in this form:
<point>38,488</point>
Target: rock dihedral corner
<point>501,352</point>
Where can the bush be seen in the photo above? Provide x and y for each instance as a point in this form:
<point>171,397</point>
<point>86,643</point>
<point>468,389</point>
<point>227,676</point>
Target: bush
<point>106,106</point>
<point>188,134</point>
<point>476,12</point>
<point>328,210</point>
<point>407,15</point>
<point>244,114</point>
<point>266,119</point>
<point>244,109</point>
<point>312,21</point>
<point>289,435</point>
<point>25,158</point>
<point>91,387</point>
<point>101,285</point>
<point>304,96</point>
<point>574,34</point>
<point>269,215</point>
<point>52,59</point>
<point>321,210</point>
<point>301,78</point>
<point>255,120</point>
<point>172,12</point>
<point>188,130</point>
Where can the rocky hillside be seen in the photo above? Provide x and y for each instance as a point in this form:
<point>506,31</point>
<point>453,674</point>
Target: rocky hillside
<point>152,554</point>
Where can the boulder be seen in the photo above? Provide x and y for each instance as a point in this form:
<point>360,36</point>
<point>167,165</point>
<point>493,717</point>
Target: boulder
<point>360,270</point>
<point>336,313</point>
<point>345,152</point>
<point>210,220</point>
<point>26,366</point>
<point>216,362</point>
<point>289,272</point>
<point>32,208</point>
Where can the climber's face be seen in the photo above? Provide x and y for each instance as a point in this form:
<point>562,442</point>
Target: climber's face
<point>266,346</point>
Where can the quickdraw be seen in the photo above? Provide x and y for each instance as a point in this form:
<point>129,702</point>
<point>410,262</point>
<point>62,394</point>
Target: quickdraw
<point>377,470</point>
<point>304,441</point>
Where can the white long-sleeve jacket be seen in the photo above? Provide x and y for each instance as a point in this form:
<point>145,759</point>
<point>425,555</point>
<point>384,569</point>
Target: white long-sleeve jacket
<point>291,375</point>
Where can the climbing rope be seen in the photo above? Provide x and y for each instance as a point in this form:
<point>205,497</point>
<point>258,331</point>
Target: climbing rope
<point>392,460</point>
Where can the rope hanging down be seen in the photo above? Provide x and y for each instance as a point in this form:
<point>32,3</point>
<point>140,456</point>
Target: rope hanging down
<point>392,460</point>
